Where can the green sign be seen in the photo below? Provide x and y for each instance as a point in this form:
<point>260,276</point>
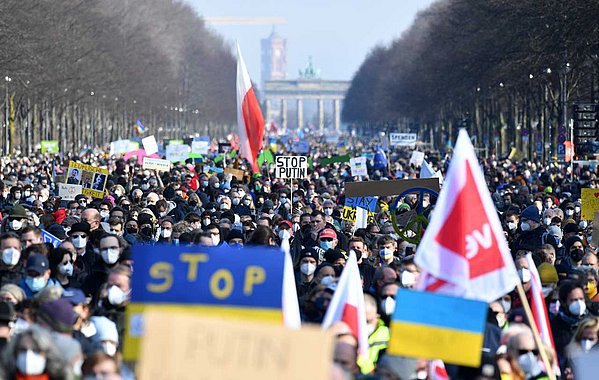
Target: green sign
<point>50,146</point>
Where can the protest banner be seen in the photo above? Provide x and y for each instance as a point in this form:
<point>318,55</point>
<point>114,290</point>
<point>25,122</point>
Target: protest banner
<point>589,203</point>
<point>237,173</point>
<point>177,152</point>
<point>50,146</point>
<point>242,349</point>
<point>156,164</point>
<point>428,325</point>
<point>120,146</point>
<point>300,147</point>
<point>334,159</point>
<point>224,147</point>
<point>385,188</point>
<point>417,158</point>
<point>68,192</point>
<point>211,281</point>
<point>291,167</point>
<point>200,147</point>
<point>358,166</point>
<point>150,145</point>
<point>402,139</point>
<point>49,238</point>
<point>351,207</point>
<point>91,179</point>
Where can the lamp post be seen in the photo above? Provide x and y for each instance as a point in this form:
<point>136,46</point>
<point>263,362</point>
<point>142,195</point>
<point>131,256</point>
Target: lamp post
<point>7,79</point>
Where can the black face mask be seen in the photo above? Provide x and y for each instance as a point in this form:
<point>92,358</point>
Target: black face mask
<point>576,254</point>
<point>146,231</point>
<point>131,230</point>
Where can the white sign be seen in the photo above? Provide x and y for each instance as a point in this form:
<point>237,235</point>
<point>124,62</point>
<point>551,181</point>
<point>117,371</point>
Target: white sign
<point>68,192</point>
<point>156,164</point>
<point>402,139</point>
<point>175,153</point>
<point>417,158</point>
<point>358,166</point>
<point>150,145</point>
<point>200,147</point>
<point>294,167</point>
<point>119,146</point>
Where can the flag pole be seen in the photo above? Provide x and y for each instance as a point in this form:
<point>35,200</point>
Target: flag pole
<point>535,332</point>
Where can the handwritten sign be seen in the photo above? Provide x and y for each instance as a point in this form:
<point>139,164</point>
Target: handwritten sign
<point>351,205</point>
<point>358,166</point>
<point>293,167</point>
<point>589,203</point>
<point>221,281</point>
<point>242,349</point>
<point>68,192</point>
<point>156,164</point>
<point>92,179</point>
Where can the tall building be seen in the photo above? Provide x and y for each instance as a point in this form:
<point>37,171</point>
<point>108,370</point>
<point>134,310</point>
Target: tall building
<point>274,58</point>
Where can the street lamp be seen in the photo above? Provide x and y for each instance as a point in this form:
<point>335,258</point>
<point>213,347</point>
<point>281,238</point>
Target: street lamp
<point>7,79</point>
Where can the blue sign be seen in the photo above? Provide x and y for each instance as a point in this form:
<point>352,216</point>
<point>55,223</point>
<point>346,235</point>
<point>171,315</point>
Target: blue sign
<point>223,276</point>
<point>49,238</point>
<point>368,203</point>
<point>301,147</point>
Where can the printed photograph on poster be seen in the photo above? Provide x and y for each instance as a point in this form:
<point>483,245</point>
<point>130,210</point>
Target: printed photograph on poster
<point>74,177</point>
<point>87,179</point>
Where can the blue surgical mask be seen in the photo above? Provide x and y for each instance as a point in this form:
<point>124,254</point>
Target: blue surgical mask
<point>35,283</point>
<point>326,245</point>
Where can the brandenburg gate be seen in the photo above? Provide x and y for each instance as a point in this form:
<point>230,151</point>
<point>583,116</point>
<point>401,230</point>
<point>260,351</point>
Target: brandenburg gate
<point>307,87</point>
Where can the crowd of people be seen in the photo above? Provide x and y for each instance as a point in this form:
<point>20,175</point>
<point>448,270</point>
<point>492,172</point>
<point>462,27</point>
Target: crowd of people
<point>62,308</point>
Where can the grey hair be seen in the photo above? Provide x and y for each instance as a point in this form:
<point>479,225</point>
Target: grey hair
<point>57,366</point>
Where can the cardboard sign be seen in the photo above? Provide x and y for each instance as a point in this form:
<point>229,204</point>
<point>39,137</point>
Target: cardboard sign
<point>218,281</point>
<point>68,192</point>
<point>49,238</point>
<point>177,153</point>
<point>589,203</point>
<point>237,173</point>
<point>200,147</point>
<point>91,179</point>
<point>402,139</point>
<point>353,205</point>
<point>417,158</point>
<point>156,164</point>
<point>294,167</point>
<point>385,188</point>
<point>358,166</point>
<point>50,146</point>
<point>242,349</point>
<point>150,145</point>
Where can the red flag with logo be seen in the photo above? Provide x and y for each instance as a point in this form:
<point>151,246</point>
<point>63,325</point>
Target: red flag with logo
<point>464,252</point>
<point>250,121</point>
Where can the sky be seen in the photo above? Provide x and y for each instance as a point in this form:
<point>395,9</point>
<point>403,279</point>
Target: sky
<point>337,34</point>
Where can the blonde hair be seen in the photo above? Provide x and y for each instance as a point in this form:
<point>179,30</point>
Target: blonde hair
<point>592,322</point>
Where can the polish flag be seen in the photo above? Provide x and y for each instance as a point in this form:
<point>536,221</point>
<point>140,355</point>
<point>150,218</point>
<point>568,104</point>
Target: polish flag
<point>347,304</point>
<point>464,252</point>
<point>437,370</point>
<point>537,305</point>
<point>249,116</point>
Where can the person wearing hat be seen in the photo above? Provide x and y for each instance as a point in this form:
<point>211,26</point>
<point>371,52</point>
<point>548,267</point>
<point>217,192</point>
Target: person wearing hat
<point>534,234</point>
<point>304,273</point>
<point>12,293</point>
<point>8,317</point>
<point>37,276</point>
<point>235,238</point>
<point>17,219</point>
<point>572,260</point>
<point>327,239</point>
<point>79,235</point>
<point>11,265</point>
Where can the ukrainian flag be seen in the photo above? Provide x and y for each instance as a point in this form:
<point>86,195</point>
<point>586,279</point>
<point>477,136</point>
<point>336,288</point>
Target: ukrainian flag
<point>432,326</point>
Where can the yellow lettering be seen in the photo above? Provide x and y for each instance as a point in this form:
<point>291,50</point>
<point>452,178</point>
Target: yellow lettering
<point>193,259</point>
<point>161,271</point>
<point>215,288</point>
<point>254,275</point>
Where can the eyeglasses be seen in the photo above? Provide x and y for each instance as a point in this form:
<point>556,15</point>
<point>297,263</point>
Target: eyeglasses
<point>79,236</point>
<point>525,351</point>
<point>326,239</point>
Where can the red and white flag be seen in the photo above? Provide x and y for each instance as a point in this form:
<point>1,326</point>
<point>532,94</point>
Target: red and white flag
<point>537,304</point>
<point>347,304</point>
<point>437,370</point>
<point>464,252</point>
<point>249,116</point>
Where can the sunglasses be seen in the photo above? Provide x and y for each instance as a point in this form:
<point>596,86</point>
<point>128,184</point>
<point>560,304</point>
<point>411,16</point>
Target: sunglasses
<point>524,352</point>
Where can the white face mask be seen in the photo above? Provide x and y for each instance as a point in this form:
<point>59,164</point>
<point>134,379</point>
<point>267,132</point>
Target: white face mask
<point>577,210</point>
<point>307,268</point>
<point>407,279</point>
<point>587,344</point>
<point>512,226</point>
<point>116,296</point>
<point>247,202</point>
<point>15,225</point>
<point>206,221</point>
<point>11,256</point>
<point>215,240</point>
<point>79,242</point>
<point>66,269</point>
<point>109,348</point>
<point>31,363</point>
<point>525,226</point>
<point>110,255</point>
<point>224,206</point>
<point>328,211</point>
<point>166,233</point>
<point>569,212</point>
<point>547,221</point>
<point>327,280</point>
<point>284,234</point>
<point>235,201</point>
<point>577,308</point>
<point>388,306</point>
<point>104,214</point>
<point>529,364</point>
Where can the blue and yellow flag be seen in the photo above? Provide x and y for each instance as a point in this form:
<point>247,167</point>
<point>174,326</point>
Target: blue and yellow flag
<point>433,326</point>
